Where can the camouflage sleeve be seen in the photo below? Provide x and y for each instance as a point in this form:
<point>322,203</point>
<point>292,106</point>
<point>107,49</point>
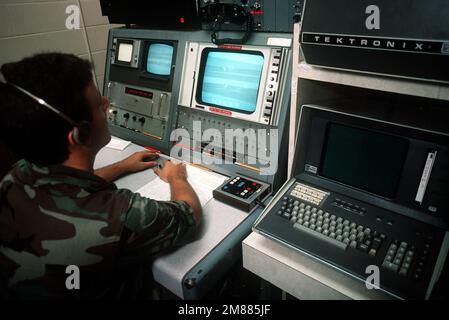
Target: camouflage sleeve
<point>151,226</point>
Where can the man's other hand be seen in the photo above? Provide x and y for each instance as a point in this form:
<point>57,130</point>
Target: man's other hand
<point>172,171</point>
<point>139,161</point>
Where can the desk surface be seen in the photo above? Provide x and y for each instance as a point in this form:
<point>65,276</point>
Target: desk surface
<point>219,220</point>
<point>299,275</point>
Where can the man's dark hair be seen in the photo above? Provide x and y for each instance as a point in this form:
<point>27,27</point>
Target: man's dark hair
<point>31,130</point>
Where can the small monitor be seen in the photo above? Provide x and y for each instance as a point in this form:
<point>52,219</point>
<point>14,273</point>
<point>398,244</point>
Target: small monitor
<point>364,159</point>
<point>125,52</point>
<point>159,59</point>
<point>230,79</point>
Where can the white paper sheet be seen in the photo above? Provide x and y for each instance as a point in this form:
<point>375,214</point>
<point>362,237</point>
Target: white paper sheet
<point>118,144</point>
<point>202,181</point>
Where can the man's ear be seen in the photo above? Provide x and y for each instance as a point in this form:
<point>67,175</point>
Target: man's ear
<point>71,139</point>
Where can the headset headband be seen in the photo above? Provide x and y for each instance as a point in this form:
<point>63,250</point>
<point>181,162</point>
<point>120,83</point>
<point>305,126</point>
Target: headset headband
<point>45,104</point>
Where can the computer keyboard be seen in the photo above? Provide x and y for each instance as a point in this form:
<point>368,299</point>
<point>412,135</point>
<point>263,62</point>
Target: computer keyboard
<point>351,235</point>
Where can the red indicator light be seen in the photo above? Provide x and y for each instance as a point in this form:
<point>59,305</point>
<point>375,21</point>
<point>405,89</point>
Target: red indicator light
<point>254,184</point>
<point>182,20</point>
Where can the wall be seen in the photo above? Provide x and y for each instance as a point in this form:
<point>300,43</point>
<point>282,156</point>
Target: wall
<point>32,26</point>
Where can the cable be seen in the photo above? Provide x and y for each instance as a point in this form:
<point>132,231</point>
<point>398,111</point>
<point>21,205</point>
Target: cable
<point>260,203</point>
<point>244,39</point>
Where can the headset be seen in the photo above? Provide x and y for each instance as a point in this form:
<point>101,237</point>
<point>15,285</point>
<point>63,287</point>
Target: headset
<point>81,130</point>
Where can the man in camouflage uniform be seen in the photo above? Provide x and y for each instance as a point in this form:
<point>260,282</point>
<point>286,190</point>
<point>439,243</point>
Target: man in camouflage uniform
<point>55,211</point>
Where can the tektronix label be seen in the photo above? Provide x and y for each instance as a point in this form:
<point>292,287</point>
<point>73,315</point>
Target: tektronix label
<point>365,42</point>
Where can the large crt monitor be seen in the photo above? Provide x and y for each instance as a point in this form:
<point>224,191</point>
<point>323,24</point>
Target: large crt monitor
<point>230,80</point>
<point>243,82</point>
<point>364,193</point>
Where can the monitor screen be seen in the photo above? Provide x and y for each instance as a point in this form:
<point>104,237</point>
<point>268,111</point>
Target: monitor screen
<point>159,59</point>
<point>367,160</point>
<point>231,79</point>
<point>125,52</point>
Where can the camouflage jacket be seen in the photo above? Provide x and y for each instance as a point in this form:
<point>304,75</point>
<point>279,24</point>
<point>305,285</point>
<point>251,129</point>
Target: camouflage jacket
<point>56,216</point>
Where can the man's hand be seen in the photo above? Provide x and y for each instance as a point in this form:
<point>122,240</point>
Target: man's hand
<point>135,162</point>
<point>171,171</point>
<point>139,161</point>
<point>180,189</point>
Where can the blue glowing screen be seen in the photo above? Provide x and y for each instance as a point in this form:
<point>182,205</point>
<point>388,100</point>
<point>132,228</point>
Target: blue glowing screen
<point>231,80</point>
<point>159,59</point>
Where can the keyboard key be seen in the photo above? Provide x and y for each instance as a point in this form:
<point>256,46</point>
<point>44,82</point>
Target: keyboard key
<point>320,236</point>
<point>399,256</point>
<point>353,244</point>
<point>362,247</point>
<point>376,243</point>
<point>372,252</point>
<point>390,266</point>
<point>403,272</point>
<point>409,253</point>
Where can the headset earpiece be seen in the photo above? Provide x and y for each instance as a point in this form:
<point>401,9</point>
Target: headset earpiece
<point>81,132</point>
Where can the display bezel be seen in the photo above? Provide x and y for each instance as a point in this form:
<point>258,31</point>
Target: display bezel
<point>199,88</point>
<point>143,68</point>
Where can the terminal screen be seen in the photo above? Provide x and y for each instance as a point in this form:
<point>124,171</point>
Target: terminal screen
<point>365,159</point>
